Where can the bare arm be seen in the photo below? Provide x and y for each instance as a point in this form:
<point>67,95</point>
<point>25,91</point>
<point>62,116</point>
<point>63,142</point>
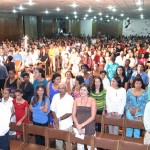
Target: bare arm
<point>45,107</point>
<point>47,90</point>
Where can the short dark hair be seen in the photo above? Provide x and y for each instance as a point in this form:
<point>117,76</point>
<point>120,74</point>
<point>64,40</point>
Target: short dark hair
<point>103,71</point>
<point>10,58</point>
<point>86,66</point>
<point>19,91</point>
<point>8,89</point>
<point>25,74</point>
<point>80,79</point>
<point>138,78</point>
<point>13,70</point>
<point>70,73</point>
<point>118,80</point>
<point>55,75</point>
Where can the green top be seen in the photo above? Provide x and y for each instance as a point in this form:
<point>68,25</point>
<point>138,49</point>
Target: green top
<point>100,99</point>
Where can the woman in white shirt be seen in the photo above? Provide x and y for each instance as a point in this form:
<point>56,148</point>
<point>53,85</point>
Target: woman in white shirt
<point>115,102</point>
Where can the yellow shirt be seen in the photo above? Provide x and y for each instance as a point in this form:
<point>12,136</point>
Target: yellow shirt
<point>51,52</point>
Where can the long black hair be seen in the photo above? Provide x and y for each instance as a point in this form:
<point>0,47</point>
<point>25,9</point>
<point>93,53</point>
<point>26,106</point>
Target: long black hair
<point>93,89</point>
<point>36,96</point>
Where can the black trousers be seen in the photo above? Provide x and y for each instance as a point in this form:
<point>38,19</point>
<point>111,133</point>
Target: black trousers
<point>98,125</point>
<point>4,142</point>
<point>40,139</point>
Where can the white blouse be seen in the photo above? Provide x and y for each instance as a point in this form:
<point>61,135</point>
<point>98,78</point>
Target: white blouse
<point>115,100</point>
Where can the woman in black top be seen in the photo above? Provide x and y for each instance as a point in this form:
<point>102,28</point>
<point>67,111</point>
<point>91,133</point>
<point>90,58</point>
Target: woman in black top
<point>12,82</point>
<point>120,71</point>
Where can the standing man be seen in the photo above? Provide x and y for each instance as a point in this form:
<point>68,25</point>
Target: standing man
<point>61,108</point>
<point>5,114</point>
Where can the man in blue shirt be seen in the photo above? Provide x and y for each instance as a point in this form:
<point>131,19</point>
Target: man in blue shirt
<point>140,72</point>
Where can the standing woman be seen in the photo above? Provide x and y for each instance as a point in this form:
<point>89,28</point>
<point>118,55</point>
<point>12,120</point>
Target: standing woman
<point>137,98</point>
<point>69,80</point>
<point>88,79</point>
<point>52,86</point>
<point>12,82</point>
<point>40,108</point>
<point>115,102</point>
<point>83,114</point>
<point>121,73</point>
<point>39,78</point>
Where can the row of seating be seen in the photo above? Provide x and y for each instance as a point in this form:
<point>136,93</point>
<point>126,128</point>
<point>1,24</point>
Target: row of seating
<point>52,134</point>
<point>123,123</point>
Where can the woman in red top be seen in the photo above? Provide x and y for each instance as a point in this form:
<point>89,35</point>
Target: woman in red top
<point>20,109</point>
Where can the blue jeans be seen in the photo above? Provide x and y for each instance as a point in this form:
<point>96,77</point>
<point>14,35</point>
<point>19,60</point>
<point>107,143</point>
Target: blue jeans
<point>4,142</point>
<point>129,131</point>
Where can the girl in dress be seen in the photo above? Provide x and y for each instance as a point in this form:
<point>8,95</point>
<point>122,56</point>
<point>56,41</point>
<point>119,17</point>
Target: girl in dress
<point>20,109</point>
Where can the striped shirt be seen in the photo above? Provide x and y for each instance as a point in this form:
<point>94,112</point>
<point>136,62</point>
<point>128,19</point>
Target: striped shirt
<point>100,99</point>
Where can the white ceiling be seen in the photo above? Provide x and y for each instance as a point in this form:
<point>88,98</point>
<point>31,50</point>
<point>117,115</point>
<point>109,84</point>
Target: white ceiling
<point>128,7</point>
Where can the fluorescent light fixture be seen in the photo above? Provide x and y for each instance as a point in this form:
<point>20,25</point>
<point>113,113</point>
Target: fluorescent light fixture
<point>67,17</point>
<point>57,9</point>
<point>94,17</point>
<point>140,9</point>
<point>112,17</point>
<point>74,12</point>
<point>138,2</point>
<point>91,19</point>
<point>86,15</point>
<point>14,10</point>
<point>114,9</point>
<point>100,13</point>
<point>116,19</point>
<point>74,5</point>
<point>75,16</point>
<point>107,16</point>
<point>108,20</point>
<point>90,10</point>
<point>128,18</point>
<point>30,3</point>
<point>21,7</point>
<point>110,7</point>
<point>121,15</point>
<point>84,18</point>
<point>101,18</point>
<point>46,11</point>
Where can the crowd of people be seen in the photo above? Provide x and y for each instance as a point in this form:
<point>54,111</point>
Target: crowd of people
<point>75,78</point>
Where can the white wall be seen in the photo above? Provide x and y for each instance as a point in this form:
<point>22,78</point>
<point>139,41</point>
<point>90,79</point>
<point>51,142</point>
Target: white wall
<point>136,27</point>
<point>86,27</point>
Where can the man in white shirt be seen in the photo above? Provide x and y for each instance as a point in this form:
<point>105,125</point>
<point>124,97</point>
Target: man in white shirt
<point>61,108</point>
<point>147,123</point>
<point>5,114</point>
<point>121,59</point>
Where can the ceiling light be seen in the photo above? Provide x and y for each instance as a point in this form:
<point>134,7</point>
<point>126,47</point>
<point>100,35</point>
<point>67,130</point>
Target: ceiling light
<point>90,10</point>
<point>140,9</point>
<point>116,19</point>
<point>114,9</point>
<point>67,18</point>
<point>91,19</point>
<point>74,12</point>
<point>86,15</point>
<point>58,9</point>
<point>101,18</point>
<point>110,7</point>
<point>14,10</point>
<point>46,11</point>
<point>74,5</point>
<point>128,18</point>
<point>21,7</point>
<point>138,2</point>
<point>112,17</point>
<point>107,16</point>
<point>94,17</point>
<point>30,3</point>
<point>100,13</point>
<point>121,15</point>
<point>75,16</point>
<point>108,20</point>
<point>84,18</point>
